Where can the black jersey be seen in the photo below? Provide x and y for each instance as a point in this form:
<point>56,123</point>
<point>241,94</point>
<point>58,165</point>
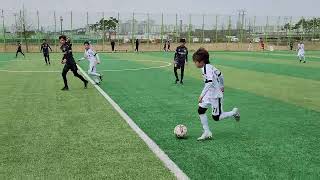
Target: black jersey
<point>45,48</point>
<point>19,47</point>
<point>181,55</point>
<point>67,54</point>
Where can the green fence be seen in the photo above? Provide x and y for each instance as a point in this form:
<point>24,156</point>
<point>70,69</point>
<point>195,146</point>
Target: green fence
<point>153,30</point>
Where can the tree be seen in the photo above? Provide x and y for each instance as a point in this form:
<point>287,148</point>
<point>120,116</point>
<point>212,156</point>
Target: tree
<point>105,25</point>
<point>23,28</point>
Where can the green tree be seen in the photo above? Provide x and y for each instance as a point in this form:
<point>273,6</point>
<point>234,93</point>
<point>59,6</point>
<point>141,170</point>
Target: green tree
<point>105,25</point>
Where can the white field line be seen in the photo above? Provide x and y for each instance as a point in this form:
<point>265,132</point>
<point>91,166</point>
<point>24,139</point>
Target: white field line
<point>167,64</point>
<point>150,143</point>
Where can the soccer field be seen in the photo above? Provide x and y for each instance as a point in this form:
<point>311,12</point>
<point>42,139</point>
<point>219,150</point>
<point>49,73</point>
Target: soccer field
<point>45,132</point>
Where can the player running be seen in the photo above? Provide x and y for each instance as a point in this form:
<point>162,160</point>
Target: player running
<point>262,44</point>
<point>180,59</point>
<point>19,49</point>
<point>212,93</point>
<point>93,59</point>
<point>69,63</point>
<point>45,50</point>
<point>137,45</point>
<point>301,52</point>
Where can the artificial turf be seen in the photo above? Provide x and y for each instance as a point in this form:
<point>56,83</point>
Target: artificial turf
<point>276,138</point>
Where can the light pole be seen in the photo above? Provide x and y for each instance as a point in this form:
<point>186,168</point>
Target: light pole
<point>4,30</point>
<point>61,20</point>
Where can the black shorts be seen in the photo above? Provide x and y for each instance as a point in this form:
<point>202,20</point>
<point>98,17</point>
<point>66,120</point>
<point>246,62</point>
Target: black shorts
<point>178,65</point>
<point>46,54</point>
<point>72,67</point>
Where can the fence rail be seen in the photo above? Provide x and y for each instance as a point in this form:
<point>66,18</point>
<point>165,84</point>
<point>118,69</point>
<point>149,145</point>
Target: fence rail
<point>223,32</point>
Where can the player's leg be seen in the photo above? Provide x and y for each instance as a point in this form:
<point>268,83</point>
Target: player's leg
<point>217,111</point>
<point>93,71</point>
<point>182,74</point>
<point>17,53</point>
<point>175,70</point>
<point>74,69</point>
<point>22,54</point>
<point>64,76</point>
<point>48,58</point>
<point>300,57</point>
<point>94,74</point>
<point>203,106</point>
<point>303,58</point>
<point>45,59</point>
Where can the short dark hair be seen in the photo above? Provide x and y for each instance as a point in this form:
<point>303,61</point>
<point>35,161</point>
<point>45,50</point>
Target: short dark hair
<point>201,55</point>
<point>182,40</point>
<point>86,43</point>
<point>63,37</point>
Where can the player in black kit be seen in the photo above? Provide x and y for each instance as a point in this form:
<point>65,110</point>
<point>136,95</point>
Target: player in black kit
<point>69,62</point>
<point>180,59</point>
<point>45,50</point>
<point>19,49</point>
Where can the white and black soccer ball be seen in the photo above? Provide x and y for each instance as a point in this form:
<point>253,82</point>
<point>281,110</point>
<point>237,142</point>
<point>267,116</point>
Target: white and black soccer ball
<point>180,131</point>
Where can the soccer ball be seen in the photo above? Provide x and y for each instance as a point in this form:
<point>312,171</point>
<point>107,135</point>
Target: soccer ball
<point>180,131</point>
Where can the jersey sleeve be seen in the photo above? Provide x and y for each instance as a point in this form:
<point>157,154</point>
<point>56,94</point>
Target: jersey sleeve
<point>220,77</point>
<point>210,76</point>
<point>176,54</point>
<point>187,54</point>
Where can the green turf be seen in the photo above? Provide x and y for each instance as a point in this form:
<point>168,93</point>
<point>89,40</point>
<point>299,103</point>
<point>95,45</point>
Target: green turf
<point>49,134</point>
<point>277,138</point>
<point>84,137</point>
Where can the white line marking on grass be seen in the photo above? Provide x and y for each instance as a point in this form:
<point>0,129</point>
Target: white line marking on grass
<point>292,55</point>
<point>150,143</point>
<point>15,71</point>
<point>167,64</point>
<point>137,69</point>
<point>5,61</point>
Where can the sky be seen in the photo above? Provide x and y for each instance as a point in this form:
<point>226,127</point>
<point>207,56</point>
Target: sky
<point>253,7</point>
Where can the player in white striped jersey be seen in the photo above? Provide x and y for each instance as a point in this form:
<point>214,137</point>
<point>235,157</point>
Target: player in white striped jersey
<point>301,52</point>
<point>212,93</point>
<point>93,59</point>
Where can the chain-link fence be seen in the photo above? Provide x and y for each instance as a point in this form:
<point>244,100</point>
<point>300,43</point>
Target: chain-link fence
<point>214,32</point>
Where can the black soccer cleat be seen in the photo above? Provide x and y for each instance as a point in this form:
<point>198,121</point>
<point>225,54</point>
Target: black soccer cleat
<point>101,77</point>
<point>177,80</point>
<point>86,84</point>
<point>65,88</point>
<point>181,82</point>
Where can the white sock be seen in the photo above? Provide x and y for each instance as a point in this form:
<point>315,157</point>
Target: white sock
<point>94,74</point>
<point>204,122</point>
<point>225,115</point>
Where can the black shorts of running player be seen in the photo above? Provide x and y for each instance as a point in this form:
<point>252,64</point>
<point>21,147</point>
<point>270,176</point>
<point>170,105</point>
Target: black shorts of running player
<point>179,65</point>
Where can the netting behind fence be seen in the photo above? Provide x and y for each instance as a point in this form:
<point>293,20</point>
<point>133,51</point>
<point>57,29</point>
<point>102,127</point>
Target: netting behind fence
<point>215,32</point>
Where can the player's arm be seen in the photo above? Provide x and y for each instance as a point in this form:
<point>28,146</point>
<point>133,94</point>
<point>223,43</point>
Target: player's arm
<point>66,54</point>
<point>97,57</point>
<point>186,55</point>
<point>83,58</point>
<point>176,54</point>
<point>49,47</point>
<point>208,84</point>
<point>220,79</point>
